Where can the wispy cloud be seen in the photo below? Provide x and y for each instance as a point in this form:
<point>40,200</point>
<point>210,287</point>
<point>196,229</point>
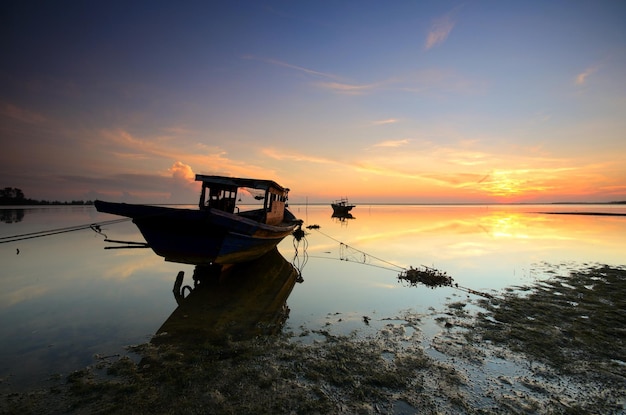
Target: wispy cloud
<point>581,78</point>
<point>294,156</point>
<point>158,152</point>
<point>384,170</point>
<point>302,69</point>
<point>439,31</point>
<point>453,179</point>
<point>20,114</point>
<point>332,82</point>
<point>130,156</point>
<point>384,122</point>
<point>424,81</point>
<point>392,143</point>
<point>351,89</point>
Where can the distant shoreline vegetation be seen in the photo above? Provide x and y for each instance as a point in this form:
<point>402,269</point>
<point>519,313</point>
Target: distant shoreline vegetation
<point>12,196</point>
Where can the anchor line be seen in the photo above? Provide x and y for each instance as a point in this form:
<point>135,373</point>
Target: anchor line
<point>440,278</point>
<point>299,237</point>
<point>365,254</point>
<point>369,264</point>
<point>96,227</point>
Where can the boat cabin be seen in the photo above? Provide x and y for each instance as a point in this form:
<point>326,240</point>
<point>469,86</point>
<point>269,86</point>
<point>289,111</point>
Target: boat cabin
<point>220,192</point>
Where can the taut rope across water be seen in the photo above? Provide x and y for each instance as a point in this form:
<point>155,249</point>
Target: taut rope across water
<point>96,227</point>
<point>425,275</point>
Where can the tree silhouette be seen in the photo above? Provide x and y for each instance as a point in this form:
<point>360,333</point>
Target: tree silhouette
<point>11,196</point>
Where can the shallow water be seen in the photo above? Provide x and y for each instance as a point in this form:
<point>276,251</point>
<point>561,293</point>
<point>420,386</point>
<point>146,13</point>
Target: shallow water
<point>64,298</point>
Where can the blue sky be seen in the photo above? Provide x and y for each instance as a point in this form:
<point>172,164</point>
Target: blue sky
<point>407,101</point>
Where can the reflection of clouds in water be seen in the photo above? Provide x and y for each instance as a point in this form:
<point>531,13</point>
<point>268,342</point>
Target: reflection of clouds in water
<point>130,267</point>
<point>385,286</point>
<point>466,249</point>
<point>11,298</point>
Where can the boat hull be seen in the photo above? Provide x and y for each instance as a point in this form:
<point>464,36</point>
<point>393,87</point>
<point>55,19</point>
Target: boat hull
<point>341,209</point>
<point>202,236</point>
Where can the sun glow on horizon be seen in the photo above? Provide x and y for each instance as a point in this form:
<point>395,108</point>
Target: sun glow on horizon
<point>407,116</point>
<point>504,184</point>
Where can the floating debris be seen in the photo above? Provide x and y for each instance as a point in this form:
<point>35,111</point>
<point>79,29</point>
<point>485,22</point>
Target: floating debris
<point>428,276</point>
<point>314,226</point>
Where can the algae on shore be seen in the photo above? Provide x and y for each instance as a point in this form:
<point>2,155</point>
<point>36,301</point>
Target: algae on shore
<point>571,322</point>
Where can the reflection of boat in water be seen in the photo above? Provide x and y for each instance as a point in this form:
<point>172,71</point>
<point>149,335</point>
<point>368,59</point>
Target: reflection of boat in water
<point>218,232</point>
<point>342,217</point>
<point>341,206</point>
<point>239,301</point>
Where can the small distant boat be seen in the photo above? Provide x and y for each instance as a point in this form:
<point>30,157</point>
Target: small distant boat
<point>341,206</point>
<point>218,232</point>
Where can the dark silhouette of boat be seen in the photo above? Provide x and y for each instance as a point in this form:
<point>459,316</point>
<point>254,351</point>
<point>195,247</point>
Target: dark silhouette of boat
<point>237,302</point>
<point>341,207</point>
<point>342,217</point>
<point>218,232</point>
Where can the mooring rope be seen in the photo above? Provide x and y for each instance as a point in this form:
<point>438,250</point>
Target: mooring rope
<point>342,244</point>
<point>96,227</point>
<point>428,276</point>
<point>349,260</point>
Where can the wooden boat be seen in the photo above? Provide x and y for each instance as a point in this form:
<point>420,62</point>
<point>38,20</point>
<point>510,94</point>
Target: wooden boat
<point>218,232</point>
<point>341,206</point>
<point>240,302</point>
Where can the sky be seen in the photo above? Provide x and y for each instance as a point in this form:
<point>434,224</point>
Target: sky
<point>380,102</point>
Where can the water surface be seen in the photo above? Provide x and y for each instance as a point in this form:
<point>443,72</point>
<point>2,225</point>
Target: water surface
<point>64,298</point>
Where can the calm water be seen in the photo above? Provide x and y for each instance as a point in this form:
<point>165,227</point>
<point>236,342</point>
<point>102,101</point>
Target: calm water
<point>64,298</point>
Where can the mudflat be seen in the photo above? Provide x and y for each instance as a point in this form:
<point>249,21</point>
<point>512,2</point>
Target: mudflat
<point>556,346</point>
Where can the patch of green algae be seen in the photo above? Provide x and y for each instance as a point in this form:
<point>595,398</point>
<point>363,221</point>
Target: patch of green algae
<point>574,322</point>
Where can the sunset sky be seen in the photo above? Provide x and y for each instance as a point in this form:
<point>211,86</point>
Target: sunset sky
<point>401,101</point>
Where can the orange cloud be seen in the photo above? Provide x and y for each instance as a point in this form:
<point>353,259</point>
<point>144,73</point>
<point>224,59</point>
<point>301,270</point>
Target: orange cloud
<point>158,150</point>
<point>182,172</point>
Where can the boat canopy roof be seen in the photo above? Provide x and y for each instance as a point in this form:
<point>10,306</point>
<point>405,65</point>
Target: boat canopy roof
<point>234,182</point>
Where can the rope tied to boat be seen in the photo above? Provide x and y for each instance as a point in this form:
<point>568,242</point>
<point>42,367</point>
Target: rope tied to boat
<point>428,276</point>
<point>96,227</point>
<point>299,238</point>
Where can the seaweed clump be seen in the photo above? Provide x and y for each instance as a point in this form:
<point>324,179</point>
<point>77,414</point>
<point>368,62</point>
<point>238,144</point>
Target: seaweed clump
<point>430,277</point>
